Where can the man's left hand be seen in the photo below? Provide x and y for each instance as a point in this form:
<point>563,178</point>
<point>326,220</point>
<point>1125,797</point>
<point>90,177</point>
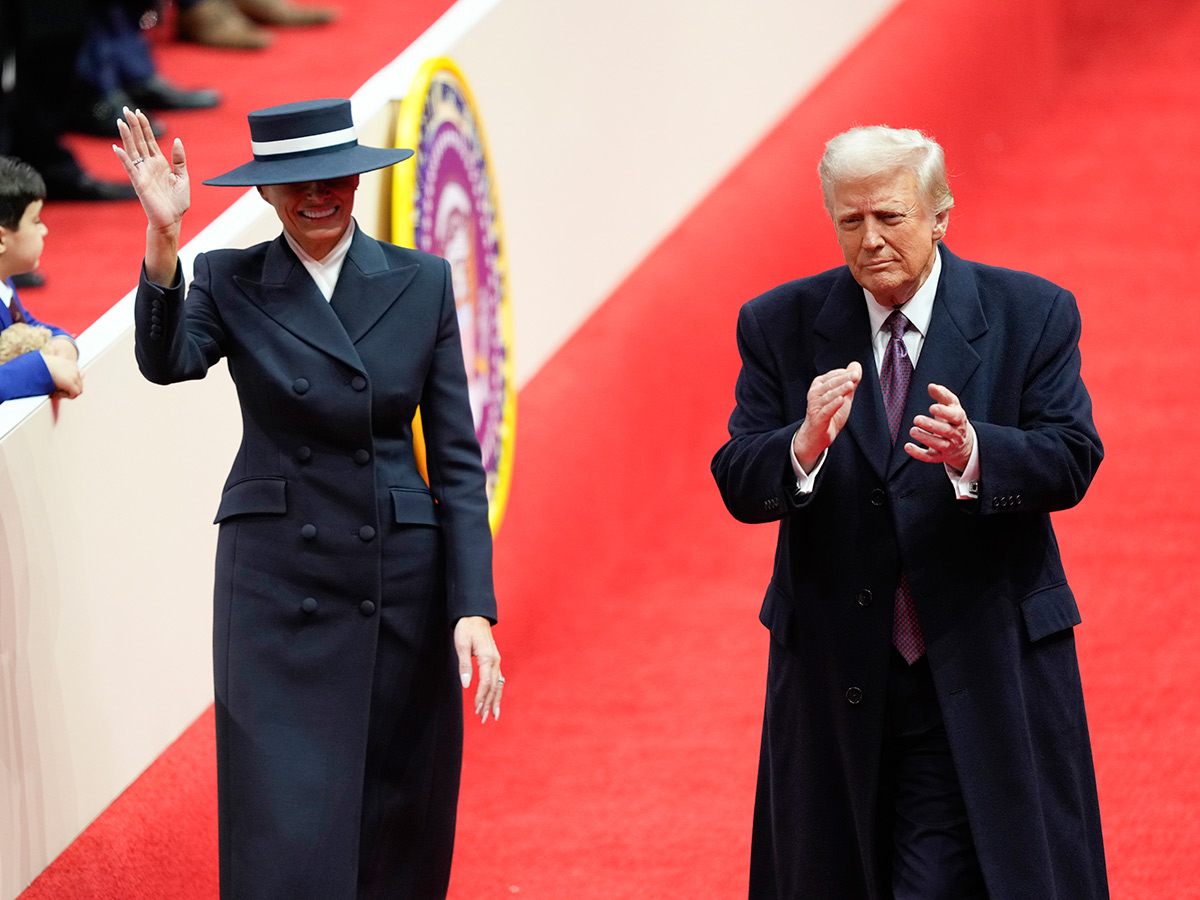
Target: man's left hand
<point>947,435</point>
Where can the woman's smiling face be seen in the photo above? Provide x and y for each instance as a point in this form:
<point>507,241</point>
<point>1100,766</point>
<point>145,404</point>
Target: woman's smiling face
<point>315,213</point>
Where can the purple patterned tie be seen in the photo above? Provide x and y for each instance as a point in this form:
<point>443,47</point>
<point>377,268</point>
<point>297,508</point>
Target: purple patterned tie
<point>894,377</point>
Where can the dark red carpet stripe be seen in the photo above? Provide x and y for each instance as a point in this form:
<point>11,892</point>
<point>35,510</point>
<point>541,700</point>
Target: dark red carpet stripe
<point>623,765</point>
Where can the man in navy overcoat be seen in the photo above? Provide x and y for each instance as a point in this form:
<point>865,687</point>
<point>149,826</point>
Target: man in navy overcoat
<point>924,734</point>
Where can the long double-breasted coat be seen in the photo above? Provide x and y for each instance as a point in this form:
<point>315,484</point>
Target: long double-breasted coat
<point>339,573</point>
<point>989,588</point>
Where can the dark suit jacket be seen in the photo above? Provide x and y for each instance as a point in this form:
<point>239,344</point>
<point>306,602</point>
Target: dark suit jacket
<point>324,521</point>
<point>989,587</point>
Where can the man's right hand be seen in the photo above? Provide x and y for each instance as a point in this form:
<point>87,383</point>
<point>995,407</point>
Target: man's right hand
<point>829,399</point>
<point>68,379</point>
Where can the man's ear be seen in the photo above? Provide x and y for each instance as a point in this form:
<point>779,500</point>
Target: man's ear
<point>940,222</point>
<point>4,233</point>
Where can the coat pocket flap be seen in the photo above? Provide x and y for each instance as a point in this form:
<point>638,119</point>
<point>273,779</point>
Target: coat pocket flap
<point>776,614</point>
<point>253,495</point>
<point>1050,610</point>
<point>413,506</point>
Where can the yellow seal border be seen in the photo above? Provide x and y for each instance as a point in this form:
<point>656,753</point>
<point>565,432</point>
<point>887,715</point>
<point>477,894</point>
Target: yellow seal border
<point>404,189</point>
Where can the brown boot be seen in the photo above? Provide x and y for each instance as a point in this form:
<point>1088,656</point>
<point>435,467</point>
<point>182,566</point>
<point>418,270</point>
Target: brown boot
<point>218,23</point>
<point>284,12</point>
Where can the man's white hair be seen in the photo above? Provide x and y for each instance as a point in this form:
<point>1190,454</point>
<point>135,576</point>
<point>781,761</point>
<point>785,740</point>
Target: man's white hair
<point>872,149</point>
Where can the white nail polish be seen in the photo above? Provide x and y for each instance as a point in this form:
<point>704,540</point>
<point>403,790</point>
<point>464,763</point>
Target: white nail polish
<point>466,679</point>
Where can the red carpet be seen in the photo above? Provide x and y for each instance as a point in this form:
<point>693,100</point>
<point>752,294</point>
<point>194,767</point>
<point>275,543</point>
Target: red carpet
<point>623,764</point>
<point>93,249</point>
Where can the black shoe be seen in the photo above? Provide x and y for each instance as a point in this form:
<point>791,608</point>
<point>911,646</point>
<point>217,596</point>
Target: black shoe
<point>158,93</point>
<point>100,117</point>
<point>33,279</point>
<point>85,187</point>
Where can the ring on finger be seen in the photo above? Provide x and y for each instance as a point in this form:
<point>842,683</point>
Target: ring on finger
<point>139,160</point>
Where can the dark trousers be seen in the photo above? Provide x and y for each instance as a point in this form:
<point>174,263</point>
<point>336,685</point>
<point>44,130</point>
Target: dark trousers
<point>923,816</point>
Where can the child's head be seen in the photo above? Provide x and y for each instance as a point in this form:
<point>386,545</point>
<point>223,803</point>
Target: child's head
<point>22,191</point>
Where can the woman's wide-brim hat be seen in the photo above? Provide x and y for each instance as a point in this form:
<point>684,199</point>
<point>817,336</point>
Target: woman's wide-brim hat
<point>313,140</point>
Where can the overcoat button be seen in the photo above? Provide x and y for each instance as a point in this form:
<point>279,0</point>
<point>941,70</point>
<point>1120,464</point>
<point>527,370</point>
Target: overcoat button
<point>864,597</point>
<point>300,385</point>
<point>308,532</point>
<point>304,454</point>
<point>878,497</point>
<point>366,607</point>
<point>358,383</point>
<point>853,696</point>
<point>309,605</point>
<point>367,533</point>
<point>362,457</point>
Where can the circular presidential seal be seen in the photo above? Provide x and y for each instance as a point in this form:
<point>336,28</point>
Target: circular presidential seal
<point>445,203</point>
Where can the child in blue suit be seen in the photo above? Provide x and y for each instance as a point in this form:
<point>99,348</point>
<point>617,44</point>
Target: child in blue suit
<point>54,369</point>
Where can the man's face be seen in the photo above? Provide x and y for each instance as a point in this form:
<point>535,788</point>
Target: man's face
<point>887,233</point>
<point>315,213</point>
<point>22,247</point>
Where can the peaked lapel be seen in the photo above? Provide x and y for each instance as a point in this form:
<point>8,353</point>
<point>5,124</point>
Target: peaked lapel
<point>288,295</point>
<point>842,332</point>
<point>947,356</point>
<point>366,287</point>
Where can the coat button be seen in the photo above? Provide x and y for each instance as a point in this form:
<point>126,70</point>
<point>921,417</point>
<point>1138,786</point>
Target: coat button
<point>366,607</point>
<point>878,497</point>
<point>367,533</point>
<point>309,605</point>
<point>358,383</point>
<point>863,597</point>
<point>308,532</point>
<point>853,696</point>
<point>300,385</point>
<point>362,457</point>
<point>304,454</point>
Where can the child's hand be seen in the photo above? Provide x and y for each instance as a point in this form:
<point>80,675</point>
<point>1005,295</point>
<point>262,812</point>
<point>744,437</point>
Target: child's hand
<point>162,185</point>
<point>68,379</point>
<point>60,346</point>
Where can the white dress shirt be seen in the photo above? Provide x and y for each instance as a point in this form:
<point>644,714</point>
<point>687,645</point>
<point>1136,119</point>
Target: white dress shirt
<point>325,271</point>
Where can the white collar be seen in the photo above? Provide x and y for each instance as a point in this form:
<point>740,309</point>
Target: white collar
<point>918,310</point>
<point>324,271</point>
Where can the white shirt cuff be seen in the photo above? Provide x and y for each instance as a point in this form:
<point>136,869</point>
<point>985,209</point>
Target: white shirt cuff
<point>966,482</point>
<point>805,481</point>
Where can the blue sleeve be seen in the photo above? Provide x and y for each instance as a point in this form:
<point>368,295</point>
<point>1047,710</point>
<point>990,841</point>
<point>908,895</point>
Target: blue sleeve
<point>25,376</point>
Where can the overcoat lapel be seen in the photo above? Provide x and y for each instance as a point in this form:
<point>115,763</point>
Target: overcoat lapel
<point>842,332</point>
<point>947,356</point>
<point>288,295</point>
<point>366,287</point>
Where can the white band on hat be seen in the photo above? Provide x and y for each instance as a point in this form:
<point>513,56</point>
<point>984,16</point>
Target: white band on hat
<point>308,142</point>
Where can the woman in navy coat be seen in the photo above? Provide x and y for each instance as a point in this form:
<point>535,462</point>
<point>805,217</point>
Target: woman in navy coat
<point>350,596</point>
